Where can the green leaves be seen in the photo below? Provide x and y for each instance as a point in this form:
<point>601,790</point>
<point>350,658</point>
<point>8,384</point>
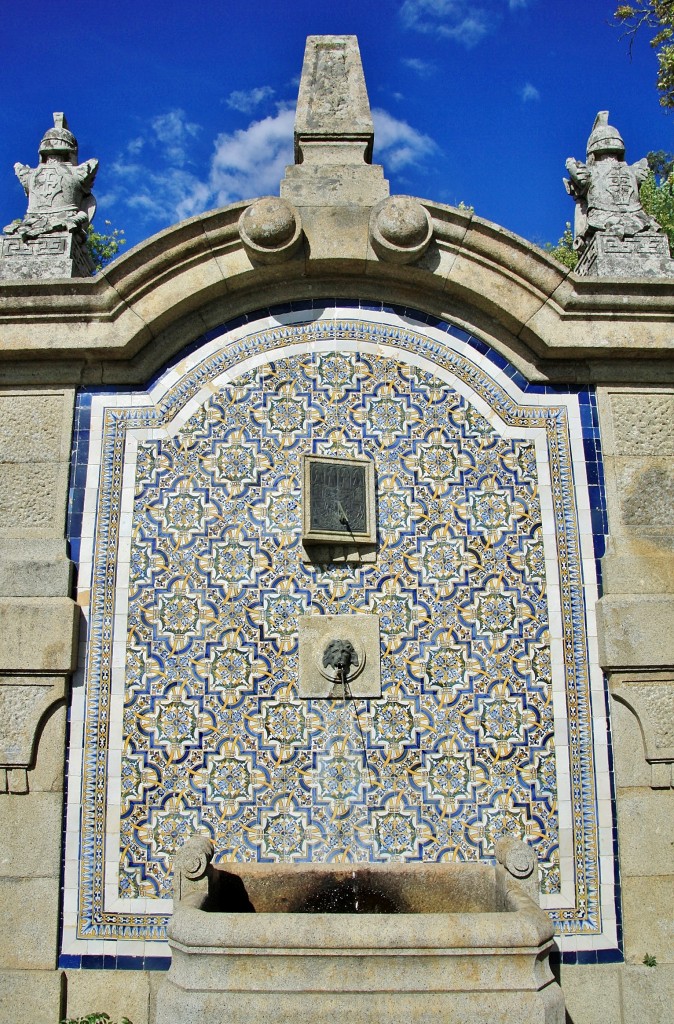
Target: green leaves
<point>103,247</point>
<point>658,200</point>
<point>564,252</point>
<point>657,16</point>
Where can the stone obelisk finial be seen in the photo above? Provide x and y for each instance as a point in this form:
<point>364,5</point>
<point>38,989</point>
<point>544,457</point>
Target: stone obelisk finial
<point>334,132</point>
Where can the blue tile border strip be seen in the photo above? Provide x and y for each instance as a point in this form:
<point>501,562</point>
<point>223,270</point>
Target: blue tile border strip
<point>587,403</point>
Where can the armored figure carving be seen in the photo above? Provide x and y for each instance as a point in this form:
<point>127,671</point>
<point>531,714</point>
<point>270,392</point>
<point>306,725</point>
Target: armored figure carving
<point>58,189</point>
<point>606,189</point>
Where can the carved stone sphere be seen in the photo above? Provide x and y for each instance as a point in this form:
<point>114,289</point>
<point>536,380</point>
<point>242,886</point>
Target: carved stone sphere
<point>269,222</point>
<point>270,229</point>
<point>403,222</point>
<point>400,229</point>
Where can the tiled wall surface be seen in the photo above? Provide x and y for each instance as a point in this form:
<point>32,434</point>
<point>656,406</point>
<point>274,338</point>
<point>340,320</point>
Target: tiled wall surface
<point>186,519</point>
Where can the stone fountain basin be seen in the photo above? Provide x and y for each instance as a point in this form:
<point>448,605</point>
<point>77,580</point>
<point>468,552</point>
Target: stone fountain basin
<point>450,942</point>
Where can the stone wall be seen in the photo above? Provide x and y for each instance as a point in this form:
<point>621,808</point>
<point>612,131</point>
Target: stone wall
<point>122,327</point>
<point>37,653</point>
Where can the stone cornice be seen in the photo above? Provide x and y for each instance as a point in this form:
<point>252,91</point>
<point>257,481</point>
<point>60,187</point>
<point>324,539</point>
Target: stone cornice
<point>125,322</point>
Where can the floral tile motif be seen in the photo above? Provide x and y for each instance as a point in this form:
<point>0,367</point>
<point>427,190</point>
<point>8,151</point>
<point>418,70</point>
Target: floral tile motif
<point>477,527</point>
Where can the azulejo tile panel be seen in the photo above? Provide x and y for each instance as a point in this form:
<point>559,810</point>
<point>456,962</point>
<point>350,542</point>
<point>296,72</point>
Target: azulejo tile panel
<point>186,714</point>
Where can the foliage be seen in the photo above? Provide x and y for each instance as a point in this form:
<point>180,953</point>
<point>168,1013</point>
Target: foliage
<point>564,251</point>
<point>658,17</point>
<point>661,163</point>
<point>93,1018</point>
<point>650,961</point>
<point>103,246</point>
<point>657,192</point>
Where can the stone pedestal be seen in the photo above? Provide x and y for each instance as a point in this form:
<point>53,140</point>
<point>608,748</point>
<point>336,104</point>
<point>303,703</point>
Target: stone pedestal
<point>643,255</point>
<point>59,254</point>
<point>334,131</point>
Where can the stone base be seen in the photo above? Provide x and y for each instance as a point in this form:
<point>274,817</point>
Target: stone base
<point>55,255</point>
<point>31,997</point>
<point>644,255</point>
<point>334,184</point>
<point>485,960</point>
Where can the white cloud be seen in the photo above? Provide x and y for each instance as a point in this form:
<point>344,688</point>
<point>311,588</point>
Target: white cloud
<point>529,93</point>
<point>174,134</point>
<point>246,101</point>
<point>464,21</point>
<point>155,194</point>
<point>459,20</point>
<point>423,68</point>
<point>397,144</point>
<point>163,188</point>
<point>251,161</point>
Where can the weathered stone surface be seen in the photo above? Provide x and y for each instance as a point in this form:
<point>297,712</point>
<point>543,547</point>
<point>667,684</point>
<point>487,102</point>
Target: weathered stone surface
<point>643,423</point>
<point>645,255</point>
<point>51,256</point>
<point>318,679</point>
<point>333,130</point>
<point>30,839</point>
<point>648,994</point>
<point>197,274</point>
<point>632,768</point>
<point>47,775</point>
<point>647,918</point>
<point>23,702</point>
<point>271,230</point>
<point>28,494</point>
<point>29,908</point>
<point>35,568</point>
<point>591,993</point>
<point>646,491</point>
<point>334,184</point>
<point>336,234</point>
<point>122,993</point>
<point>638,569</point>
<point>613,233</point>
<point>400,229</point>
<point>50,241</point>
<point>31,997</point>
<point>31,427</point>
<point>38,635</point>
<point>332,103</point>
<point>371,1008</point>
<point>35,430</point>
<point>635,631</point>
<point>646,824</point>
<point>351,965</point>
<point>651,697</point>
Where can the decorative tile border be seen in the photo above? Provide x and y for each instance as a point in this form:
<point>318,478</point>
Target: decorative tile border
<point>461,443</point>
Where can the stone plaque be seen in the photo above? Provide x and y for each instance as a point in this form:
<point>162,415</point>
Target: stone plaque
<point>338,500</point>
<point>322,638</point>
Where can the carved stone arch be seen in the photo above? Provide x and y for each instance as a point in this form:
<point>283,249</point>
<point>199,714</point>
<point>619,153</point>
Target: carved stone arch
<point>145,307</point>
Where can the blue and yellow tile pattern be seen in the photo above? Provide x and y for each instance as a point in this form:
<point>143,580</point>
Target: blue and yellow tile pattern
<point>187,715</point>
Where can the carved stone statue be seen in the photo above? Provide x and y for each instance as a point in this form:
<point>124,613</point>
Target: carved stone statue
<point>613,233</point>
<point>58,189</point>
<point>606,188</point>
<point>50,241</point>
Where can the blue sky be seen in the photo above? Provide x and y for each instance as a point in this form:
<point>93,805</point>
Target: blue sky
<point>190,106</point>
